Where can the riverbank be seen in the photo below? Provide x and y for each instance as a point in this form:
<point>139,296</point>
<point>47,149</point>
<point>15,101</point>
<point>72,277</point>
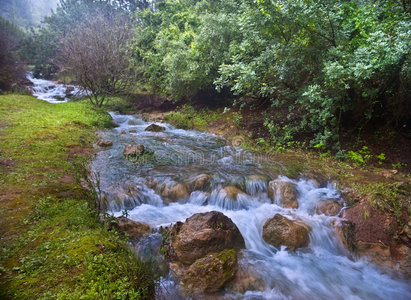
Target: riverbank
<point>52,241</point>
<point>377,195</point>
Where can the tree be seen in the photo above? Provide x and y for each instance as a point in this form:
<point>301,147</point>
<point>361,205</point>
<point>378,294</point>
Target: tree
<point>96,54</point>
<point>12,69</point>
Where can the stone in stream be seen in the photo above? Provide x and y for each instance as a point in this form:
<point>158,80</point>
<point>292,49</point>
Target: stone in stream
<point>281,231</point>
<point>102,143</point>
<point>133,150</point>
<point>328,207</point>
<point>210,273</point>
<point>135,230</point>
<point>132,131</point>
<point>284,192</point>
<point>173,193</point>
<point>201,182</point>
<point>231,192</point>
<point>155,128</point>
<point>202,234</point>
<point>69,91</point>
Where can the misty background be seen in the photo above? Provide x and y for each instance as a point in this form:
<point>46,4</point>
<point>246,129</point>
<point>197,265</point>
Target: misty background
<point>27,13</point>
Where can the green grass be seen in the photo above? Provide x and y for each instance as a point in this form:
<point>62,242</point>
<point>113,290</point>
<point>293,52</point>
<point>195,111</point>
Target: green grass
<point>53,244</point>
<point>189,118</point>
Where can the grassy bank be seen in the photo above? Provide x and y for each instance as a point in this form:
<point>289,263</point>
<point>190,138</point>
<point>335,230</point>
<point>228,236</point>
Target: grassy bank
<point>52,243</point>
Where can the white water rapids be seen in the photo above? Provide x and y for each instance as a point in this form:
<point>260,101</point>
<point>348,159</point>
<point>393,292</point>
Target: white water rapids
<point>53,92</point>
<point>323,270</point>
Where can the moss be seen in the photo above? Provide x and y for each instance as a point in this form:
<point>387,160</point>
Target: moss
<point>54,246</point>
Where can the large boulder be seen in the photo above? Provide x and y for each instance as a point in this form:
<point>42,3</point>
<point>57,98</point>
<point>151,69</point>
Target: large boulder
<point>134,229</point>
<point>281,231</point>
<point>155,128</point>
<point>210,273</point>
<point>329,208</point>
<point>133,150</point>
<point>283,192</point>
<point>205,233</point>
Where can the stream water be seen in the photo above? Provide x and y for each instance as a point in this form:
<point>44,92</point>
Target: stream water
<point>323,270</point>
<point>51,91</point>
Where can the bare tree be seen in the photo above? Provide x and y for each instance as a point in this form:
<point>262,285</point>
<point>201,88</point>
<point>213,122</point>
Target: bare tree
<point>96,53</point>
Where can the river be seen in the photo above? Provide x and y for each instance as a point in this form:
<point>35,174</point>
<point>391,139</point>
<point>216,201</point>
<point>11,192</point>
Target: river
<point>323,270</point>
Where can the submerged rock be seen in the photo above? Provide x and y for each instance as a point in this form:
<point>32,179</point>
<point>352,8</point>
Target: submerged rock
<point>133,150</point>
<point>329,208</point>
<point>281,231</point>
<point>283,192</point>
<point>210,273</point>
<point>155,128</point>
<point>206,233</point>
<point>134,229</point>
<point>132,131</point>
<point>102,143</point>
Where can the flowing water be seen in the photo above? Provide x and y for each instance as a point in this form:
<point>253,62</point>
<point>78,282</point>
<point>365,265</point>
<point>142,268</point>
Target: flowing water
<point>323,270</point>
<point>53,92</point>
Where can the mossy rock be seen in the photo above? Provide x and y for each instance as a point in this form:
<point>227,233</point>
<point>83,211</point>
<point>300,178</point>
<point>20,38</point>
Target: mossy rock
<point>210,273</point>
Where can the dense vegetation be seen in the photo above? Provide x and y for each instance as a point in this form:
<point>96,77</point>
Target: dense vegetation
<point>330,65</point>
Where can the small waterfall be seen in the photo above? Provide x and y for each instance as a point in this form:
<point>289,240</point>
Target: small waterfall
<point>320,271</point>
<point>53,92</point>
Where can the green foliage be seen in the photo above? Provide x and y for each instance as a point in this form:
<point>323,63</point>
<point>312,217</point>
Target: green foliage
<point>189,118</point>
<point>359,157</point>
<point>398,165</point>
<point>381,158</point>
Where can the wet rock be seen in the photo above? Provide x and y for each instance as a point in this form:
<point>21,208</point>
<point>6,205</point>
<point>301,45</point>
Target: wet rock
<point>102,143</point>
<point>179,191</point>
<point>133,150</point>
<point>346,233</point>
<point>132,131</point>
<point>135,230</point>
<point>283,192</point>
<point>205,233</point>
<point>244,281</point>
<point>172,193</point>
<point>113,123</point>
<point>69,91</point>
<point>155,128</point>
<point>132,122</point>
<point>202,182</point>
<point>231,192</point>
<point>403,263</point>
<point>329,208</point>
<point>123,132</point>
<point>50,87</point>
<point>210,273</point>
<point>281,231</point>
